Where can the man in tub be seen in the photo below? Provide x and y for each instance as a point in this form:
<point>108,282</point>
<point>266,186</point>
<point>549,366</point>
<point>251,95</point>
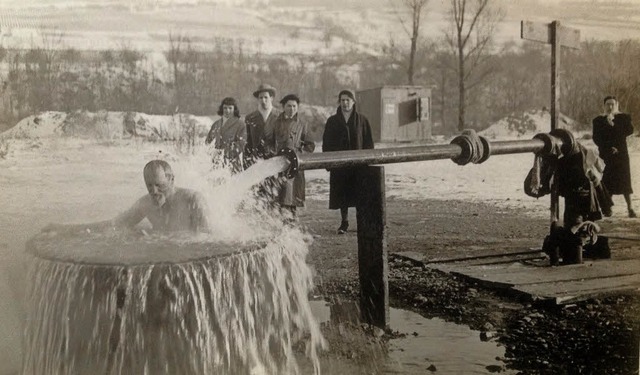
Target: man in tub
<point>168,208</point>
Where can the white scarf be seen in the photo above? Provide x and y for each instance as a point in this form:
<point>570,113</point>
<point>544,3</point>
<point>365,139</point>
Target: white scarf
<point>265,112</point>
<point>612,115</point>
<point>347,115</point>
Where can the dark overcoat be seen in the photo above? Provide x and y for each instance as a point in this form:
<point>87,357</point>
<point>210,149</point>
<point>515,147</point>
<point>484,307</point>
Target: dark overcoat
<point>341,135</point>
<point>256,127</point>
<point>617,171</point>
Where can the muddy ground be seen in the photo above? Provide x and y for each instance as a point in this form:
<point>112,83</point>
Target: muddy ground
<point>599,336</point>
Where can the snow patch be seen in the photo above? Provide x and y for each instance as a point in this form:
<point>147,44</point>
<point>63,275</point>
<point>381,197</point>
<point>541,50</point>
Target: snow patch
<point>526,125</point>
<point>105,125</point>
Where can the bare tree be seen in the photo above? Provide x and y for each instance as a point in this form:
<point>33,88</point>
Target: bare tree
<point>416,9</point>
<point>473,24</point>
<point>174,56</point>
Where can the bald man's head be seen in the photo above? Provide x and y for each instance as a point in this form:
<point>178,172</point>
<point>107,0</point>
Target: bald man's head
<point>158,177</point>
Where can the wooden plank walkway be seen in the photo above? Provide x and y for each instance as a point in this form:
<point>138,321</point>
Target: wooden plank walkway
<point>544,284</point>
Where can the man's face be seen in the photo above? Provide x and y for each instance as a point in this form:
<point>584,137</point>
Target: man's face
<point>610,105</point>
<point>346,103</point>
<point>265,100</point>
<point>159,185</point>
<point>291,108</point>
<point>227,110</point>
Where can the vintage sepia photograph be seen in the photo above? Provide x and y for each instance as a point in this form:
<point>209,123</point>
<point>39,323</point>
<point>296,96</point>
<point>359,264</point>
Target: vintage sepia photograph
<point>274,187</point>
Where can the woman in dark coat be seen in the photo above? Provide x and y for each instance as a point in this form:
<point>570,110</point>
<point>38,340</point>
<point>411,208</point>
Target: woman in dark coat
<point>610,132</point>
<point>346,130</point>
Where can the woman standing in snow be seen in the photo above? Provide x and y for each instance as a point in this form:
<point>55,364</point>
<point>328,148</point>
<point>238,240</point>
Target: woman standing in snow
<point>610,132</point>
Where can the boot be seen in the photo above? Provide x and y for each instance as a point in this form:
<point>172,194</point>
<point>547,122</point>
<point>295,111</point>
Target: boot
<point>551,250</point>
<point>599,250</point>
<point>571,254</point>
<point>343,227</point>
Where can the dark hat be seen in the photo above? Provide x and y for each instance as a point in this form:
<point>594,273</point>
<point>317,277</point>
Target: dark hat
<point>610,97</point>
<point>265,87</point>
<point>294,97</point>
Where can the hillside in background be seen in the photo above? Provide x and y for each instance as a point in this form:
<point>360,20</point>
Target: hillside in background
<point>284,27</point>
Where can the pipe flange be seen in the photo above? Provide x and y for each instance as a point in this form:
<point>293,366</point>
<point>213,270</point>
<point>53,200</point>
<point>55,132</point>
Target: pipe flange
<point>467,149</point>
<point>486,150</point>
<point>569,143</point>
<point>294,163</point>
<point>548,143</point>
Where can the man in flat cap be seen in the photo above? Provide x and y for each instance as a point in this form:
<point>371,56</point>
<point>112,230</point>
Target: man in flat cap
<point>346,130</point>
<point>259,121</point>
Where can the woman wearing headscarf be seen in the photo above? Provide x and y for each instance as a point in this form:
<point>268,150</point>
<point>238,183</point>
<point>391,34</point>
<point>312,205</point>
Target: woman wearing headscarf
<point>348,129</point>
<point>290,132</point>
<point>610,132</point>
<point>229,133</point>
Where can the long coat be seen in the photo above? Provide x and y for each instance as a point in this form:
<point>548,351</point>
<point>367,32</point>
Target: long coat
<point>290,133</point>
<point>341,135</point>
<point>256,128</point>
<point>231,137</point>
<point>617,173</point>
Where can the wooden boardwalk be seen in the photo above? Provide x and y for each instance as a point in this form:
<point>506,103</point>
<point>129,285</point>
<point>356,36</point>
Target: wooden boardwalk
<point>526,274</point>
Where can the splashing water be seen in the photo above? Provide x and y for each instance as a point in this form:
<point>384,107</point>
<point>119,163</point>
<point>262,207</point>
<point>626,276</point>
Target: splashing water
<point>239,311</point>
<point>232,302</point>
<point>236,212</point>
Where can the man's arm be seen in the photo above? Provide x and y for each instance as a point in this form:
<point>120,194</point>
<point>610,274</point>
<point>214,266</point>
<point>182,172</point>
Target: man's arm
<point>77,228</point>
<point>199,214</point>
<point>131,217</point>
<point>306,144</point>
<point>127,219</point>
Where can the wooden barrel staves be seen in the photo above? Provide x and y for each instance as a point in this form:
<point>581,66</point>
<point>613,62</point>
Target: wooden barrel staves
<point>122,304</point>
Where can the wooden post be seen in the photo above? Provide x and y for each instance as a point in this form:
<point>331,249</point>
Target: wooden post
<point>557,36</point>
<point>372,248</point>
<point>554,32</point>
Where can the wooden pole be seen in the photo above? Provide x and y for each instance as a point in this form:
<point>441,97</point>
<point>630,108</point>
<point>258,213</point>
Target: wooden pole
<point>372,248</point>
<point>555,104</point>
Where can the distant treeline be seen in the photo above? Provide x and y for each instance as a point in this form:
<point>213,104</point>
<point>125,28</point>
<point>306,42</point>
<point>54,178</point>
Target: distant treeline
<point>184,79</point>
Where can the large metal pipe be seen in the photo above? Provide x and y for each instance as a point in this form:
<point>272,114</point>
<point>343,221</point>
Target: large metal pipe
<point>517,147</point>
<point>463,148</point>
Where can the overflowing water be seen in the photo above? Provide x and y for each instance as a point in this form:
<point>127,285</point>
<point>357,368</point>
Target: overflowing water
<point>239,311</point>
<point>234,301</point>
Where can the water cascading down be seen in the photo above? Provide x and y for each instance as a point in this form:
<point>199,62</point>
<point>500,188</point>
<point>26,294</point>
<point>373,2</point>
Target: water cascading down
<point>118,303</point>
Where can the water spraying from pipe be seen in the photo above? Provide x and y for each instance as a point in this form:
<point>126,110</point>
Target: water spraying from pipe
<point>231,302</point>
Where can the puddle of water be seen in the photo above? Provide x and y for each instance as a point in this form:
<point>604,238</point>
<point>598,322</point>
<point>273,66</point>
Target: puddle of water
<point>451,348</point>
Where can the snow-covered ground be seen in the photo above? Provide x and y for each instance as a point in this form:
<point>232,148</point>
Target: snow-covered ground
<point>46,179</point>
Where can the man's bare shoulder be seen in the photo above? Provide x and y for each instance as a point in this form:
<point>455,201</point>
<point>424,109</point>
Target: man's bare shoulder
<point>189,195</point>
